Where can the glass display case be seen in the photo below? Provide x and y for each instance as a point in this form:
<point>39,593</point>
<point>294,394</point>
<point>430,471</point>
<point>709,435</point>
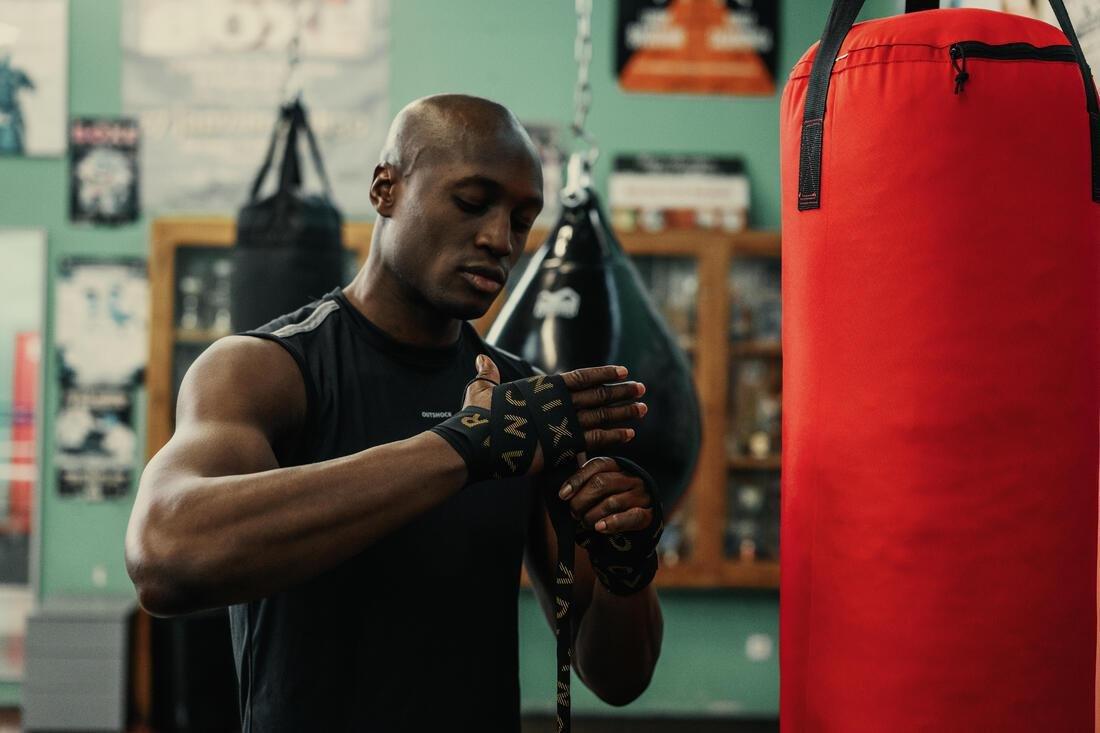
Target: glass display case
<point>717,291</point>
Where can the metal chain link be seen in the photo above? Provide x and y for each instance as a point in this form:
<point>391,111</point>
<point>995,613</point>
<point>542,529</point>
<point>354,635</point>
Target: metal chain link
<point>582,54</point>
<point>579,168</point>
<point>293,56</point>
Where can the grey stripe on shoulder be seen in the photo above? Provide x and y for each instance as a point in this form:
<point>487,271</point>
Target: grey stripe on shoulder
<point>319,314</point>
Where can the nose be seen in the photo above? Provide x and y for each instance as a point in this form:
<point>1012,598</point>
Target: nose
<point>495,234</point>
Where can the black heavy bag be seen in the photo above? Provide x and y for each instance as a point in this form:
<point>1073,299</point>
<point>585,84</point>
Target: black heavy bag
<point>581,303</point>
<point>289,247</point>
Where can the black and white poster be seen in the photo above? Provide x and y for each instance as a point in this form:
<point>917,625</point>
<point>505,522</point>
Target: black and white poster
<point>103,171</point>
<point>102,340</point>
<point>34,77</point>
<point>205,79</point>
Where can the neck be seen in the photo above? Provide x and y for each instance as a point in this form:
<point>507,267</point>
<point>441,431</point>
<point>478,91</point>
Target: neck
<point>397,308</point>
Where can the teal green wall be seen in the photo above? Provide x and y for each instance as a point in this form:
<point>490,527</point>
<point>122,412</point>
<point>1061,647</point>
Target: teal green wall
<point>519,52</point>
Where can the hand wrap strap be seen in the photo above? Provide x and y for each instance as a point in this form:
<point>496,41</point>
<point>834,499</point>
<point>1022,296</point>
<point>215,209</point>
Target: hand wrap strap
<point>526,413</point>
<point>626,562</point>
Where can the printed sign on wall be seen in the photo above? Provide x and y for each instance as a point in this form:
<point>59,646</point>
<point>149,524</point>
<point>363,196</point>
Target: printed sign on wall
<point>34,77</point>
<point>103,171</point>
<point>102,341</point>
<point>205,79</point>
<point>698,46</point>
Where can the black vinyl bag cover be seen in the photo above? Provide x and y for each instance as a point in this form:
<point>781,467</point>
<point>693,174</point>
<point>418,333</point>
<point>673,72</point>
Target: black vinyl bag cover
<point>581,303</point>
<point>289,249</point>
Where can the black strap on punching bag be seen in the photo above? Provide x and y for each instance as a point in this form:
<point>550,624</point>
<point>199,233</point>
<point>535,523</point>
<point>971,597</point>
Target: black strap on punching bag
<point>841,17</point>
<point>289,247</point>
<point>916,6</point>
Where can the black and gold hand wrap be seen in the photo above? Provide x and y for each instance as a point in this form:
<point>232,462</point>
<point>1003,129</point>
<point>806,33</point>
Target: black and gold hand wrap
<point>626,562</point>
<point>502,442</point>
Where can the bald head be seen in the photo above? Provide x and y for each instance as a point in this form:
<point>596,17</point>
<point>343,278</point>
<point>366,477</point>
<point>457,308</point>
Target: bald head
<point>447,127</point>
<point>457,191</point>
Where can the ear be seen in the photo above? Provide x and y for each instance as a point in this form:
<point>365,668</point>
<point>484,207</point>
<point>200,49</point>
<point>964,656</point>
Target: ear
<point>382,193</point>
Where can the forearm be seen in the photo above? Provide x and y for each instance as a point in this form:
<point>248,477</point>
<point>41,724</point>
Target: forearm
<point>618,643</point>
<point>212,541</point>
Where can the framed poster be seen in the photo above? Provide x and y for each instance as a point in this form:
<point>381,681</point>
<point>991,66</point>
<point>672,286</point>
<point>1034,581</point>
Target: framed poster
<point>103,171</point>
<point>697,46</point>
<point>205,78</point>
<point>34,80</point>
<point>101,316</point>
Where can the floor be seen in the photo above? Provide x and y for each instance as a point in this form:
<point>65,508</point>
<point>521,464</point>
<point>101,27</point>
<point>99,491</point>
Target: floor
<point>667,725</point>
<point>9,723</point>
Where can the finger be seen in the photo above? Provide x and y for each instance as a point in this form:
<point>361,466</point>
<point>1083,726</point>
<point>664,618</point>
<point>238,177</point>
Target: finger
<point>480,393</point>
<point>597,489</point>
<point>607,394</point>
<point>591,376</point>
<point>631,519</point>
<point>490,369</point>
<point>605,416</point>
<point>587,470</point>
<point>600,438</point>
<point>616,503</point>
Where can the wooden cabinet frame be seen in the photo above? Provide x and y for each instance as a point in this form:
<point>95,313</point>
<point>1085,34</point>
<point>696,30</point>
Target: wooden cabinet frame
<point>707,566</point>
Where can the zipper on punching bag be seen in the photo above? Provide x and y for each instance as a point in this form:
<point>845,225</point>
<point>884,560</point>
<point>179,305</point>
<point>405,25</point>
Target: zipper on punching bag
<point>963,50</point>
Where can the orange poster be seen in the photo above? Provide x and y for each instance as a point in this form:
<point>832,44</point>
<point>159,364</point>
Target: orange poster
<point>698,46</point>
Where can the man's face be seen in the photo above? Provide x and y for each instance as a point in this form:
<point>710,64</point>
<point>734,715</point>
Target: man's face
<point>460,225</point>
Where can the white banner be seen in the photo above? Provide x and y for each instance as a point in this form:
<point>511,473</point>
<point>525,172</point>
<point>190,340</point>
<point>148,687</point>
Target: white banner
<point>205,79</point>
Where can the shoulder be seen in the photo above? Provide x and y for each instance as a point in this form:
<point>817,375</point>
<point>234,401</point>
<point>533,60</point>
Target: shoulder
<point>308,319</point>
<point>244,379</point>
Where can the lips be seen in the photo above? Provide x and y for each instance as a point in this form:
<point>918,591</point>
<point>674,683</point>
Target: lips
<point>495,274</point>
<point>489,280</point>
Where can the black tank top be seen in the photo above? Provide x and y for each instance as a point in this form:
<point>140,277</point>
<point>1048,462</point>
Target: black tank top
<point>419,631</point>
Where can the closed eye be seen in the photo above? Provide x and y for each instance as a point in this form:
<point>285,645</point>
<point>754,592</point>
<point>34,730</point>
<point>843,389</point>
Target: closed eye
<point>470,207</point>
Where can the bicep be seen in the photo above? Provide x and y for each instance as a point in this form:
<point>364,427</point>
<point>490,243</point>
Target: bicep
<point>234,402</point>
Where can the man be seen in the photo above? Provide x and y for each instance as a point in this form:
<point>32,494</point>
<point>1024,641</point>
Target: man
<point>310,485</point>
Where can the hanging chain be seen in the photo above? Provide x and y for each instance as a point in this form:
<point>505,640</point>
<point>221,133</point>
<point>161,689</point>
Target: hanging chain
<point>582,54</point>
<point>579,169</point>
<point>293,57</point>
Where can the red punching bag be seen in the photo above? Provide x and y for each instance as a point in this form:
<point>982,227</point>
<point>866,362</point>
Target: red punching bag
<point>941,340</point>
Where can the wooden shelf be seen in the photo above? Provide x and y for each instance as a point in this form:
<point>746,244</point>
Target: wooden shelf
<point>745,463</point>
<point>763,574</point>
<point>753,348</point>
<point>198,336</point>
<point>710,347</point>
<point>671,242</point>
<point>724,573</point>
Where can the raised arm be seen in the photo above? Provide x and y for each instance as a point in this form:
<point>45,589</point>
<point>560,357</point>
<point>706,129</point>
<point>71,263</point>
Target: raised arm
<point>217,521</point>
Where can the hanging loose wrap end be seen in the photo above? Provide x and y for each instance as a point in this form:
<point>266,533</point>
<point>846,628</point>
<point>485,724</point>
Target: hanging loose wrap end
<point>502,442</point>
<point>624,563</point>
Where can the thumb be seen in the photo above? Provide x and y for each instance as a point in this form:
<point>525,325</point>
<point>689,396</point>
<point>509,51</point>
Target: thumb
<point>486,368</point>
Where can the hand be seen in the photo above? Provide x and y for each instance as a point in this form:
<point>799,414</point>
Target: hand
<point>598,400</point>
<point>606,499</point>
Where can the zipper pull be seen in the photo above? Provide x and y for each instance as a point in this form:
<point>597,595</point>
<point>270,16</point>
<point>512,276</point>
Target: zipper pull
<point>958,61</point>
